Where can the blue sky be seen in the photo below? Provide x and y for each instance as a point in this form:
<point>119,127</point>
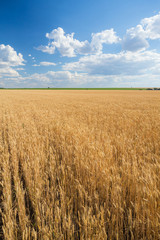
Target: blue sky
<point>58,43</point>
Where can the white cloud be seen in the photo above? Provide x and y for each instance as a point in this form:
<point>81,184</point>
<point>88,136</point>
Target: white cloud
<point>36,65</point>
<point>8,72</point>
<point>152,27</point>
<point>54,78</point>
<point>74,79</point>
<point>68,46</point>
<point>136,37</point>
<point>45,64</point>
<point>123,69</point>
<point>9,59</point>
<point>20,69</point>
<point>123,63</point>
<point>47,49</point>
<point>65,43</point>
<point>104,37</point>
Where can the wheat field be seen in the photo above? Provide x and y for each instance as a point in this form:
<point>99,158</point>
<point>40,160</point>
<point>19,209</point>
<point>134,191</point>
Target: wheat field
<point>79,165</point>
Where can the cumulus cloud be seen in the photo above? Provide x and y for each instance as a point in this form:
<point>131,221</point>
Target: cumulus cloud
<point>136,37</point>
<point>59,76</point>
<point>45,64</point>
<point>36,65</point>
<point>152,27</point>
<point>123,63</point>
<point>53,78</point>
<point>68,46</point>
<point>66,78</point>
<point>104,37</point>
<point>9,59</point>
<point>47,49</point>
<point>8,72</point>
<point>20,69</point>
<point>75,79</point>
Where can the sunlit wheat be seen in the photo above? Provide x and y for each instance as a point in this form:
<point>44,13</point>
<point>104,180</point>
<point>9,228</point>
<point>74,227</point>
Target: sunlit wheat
<point>79,165</point>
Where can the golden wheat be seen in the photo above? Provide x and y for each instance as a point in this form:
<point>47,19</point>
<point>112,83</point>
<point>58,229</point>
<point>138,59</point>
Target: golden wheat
<point>79,165</point>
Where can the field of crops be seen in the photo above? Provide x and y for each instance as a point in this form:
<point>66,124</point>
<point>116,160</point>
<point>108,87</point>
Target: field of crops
<point>79,165</point>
